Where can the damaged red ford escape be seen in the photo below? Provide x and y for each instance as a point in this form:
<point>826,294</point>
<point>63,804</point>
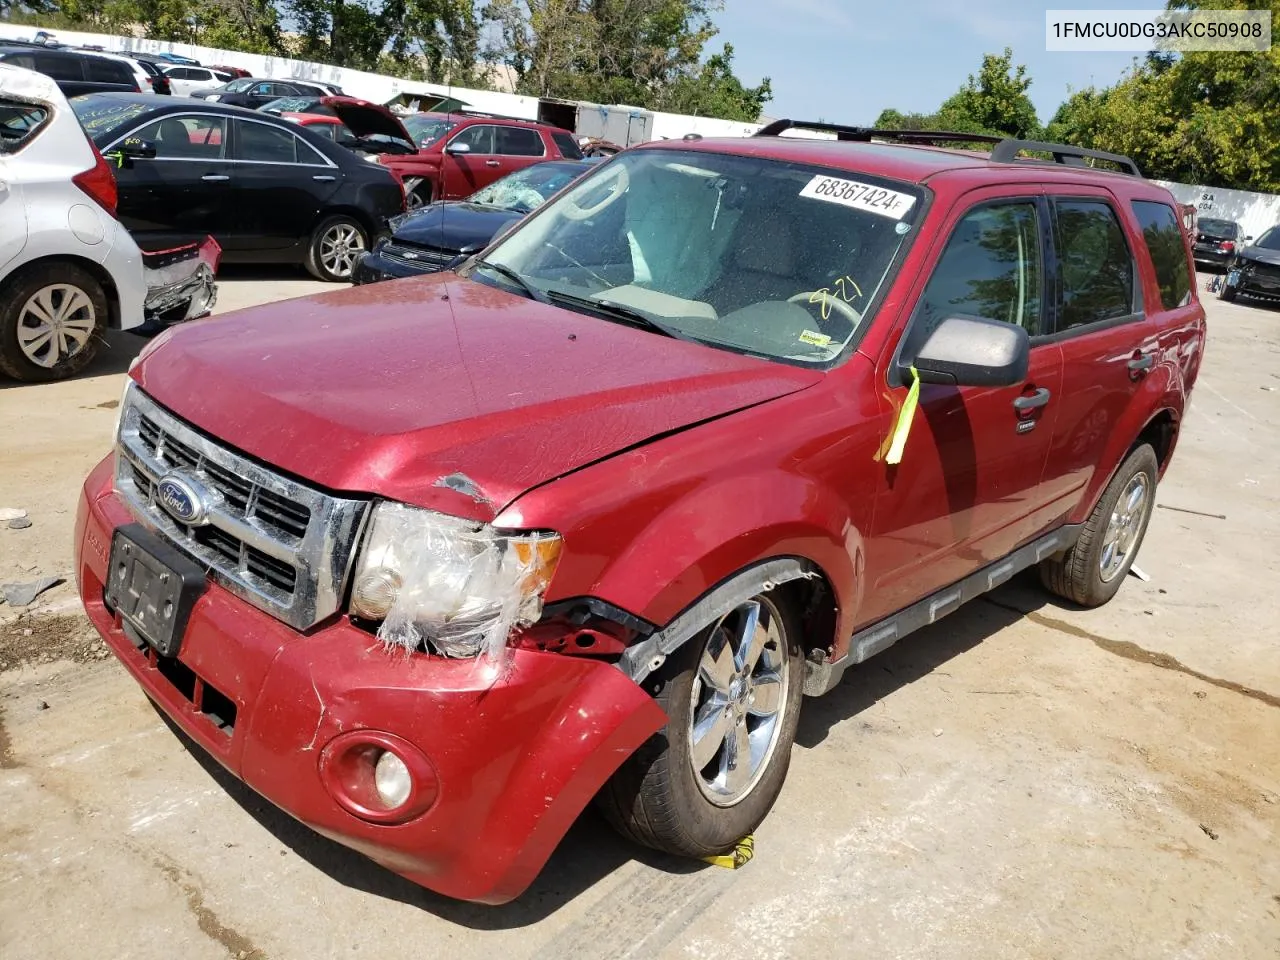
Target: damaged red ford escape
<point>433,564</point>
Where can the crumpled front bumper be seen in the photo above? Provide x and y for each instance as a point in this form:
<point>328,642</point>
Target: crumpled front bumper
<point>519,748</point>
<point>180,284</point>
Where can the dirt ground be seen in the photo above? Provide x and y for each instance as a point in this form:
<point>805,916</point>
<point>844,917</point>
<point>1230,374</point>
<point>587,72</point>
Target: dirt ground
<point>1020,780</point>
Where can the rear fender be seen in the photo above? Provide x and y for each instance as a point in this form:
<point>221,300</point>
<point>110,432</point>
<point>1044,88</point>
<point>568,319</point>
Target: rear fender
<point>1163,390</point>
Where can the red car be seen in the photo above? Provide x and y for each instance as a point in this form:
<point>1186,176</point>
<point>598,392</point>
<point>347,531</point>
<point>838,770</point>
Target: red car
<point>365,127</point>
<point>460,153</point>
<point>433,563</point>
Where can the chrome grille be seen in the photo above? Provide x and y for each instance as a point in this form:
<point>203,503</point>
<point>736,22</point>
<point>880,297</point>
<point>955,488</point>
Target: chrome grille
<point>416,256</point>
<point>283,546</point>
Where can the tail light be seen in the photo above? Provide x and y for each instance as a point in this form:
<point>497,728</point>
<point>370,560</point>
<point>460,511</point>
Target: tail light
<point>98,182</point>
<point>1227,246</point>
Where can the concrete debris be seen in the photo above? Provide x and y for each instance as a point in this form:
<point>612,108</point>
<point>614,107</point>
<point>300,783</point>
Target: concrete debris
<point>22,594</point>
<point>19,523</point>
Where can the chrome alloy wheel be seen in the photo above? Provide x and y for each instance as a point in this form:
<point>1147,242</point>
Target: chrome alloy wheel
<point>738,700</point>
<point>1124,527</point>
<point>55,324</point>
<point>339,246</point>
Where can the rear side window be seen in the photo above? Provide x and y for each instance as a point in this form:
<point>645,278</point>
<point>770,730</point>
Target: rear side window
<point>259,142</point>
<point>991,268</point>
<point>1163,237</point>
<point>1095,263</point>
<point>568,146</point>
<point>518,142</point>
<point>60,68</point>
<point>108,71</point>
<point>19,123</point>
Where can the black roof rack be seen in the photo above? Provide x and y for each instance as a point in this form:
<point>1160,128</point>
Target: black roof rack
<point>1006,149</point>
<point>1007,152</point>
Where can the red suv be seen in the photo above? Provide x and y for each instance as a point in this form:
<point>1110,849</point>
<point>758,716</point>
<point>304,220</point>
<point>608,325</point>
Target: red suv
<point>460,153</point>
<point>431,564</point>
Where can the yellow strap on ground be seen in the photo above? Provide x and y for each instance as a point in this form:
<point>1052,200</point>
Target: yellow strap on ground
<point>743,851</point>
<point>905,417</point>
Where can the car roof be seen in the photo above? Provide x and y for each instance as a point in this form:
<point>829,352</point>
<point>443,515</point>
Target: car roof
<point>911,163</point>
<point>501,121</point>
<point>167,105</point>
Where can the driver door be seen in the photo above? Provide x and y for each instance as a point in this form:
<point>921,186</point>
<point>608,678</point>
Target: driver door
<point>462,173</point>
<point>970,487</point>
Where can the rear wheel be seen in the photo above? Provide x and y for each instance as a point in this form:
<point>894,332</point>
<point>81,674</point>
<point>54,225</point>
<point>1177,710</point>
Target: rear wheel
<point>334,246</point>
<point>1090,573</point>
<point>732,697</point>
<point>51,322</point>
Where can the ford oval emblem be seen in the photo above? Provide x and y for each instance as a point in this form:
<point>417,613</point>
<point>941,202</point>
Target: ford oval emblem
<point>183,499</point>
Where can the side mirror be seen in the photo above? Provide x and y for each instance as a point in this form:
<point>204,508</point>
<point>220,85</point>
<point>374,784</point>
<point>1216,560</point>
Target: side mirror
<point>464,254</point>
<point>135,148</point>
<point>972,352</point>
<point>458,148</point>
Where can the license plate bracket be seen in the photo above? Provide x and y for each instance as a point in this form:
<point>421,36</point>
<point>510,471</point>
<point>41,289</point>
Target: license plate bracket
<point>152,586</point>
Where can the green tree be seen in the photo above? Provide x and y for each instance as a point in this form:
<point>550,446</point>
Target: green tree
<point>715,91</point>
<point>992,102</point>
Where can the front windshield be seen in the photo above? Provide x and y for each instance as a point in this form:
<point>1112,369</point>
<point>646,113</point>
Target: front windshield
<point>527,189</point>
<point>1269,240</point>
<point>239,86</point>
<point>766,257</point>
<point>297,105</point>
<point>427,130</point>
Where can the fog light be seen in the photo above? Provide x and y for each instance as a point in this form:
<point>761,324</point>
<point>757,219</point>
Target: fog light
<point>374,593</point>
<point>392,780</point>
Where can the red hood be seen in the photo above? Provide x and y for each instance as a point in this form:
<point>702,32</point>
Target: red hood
<point>391,388</point>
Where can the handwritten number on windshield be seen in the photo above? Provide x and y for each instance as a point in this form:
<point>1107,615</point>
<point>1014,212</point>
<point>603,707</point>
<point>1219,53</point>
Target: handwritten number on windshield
<point>846,288</point>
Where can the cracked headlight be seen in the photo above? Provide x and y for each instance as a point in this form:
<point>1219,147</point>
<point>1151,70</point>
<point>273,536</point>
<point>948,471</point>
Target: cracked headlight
<point>450,585</point>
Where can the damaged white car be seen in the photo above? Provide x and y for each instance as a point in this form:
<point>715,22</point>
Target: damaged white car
<point>68,269</point>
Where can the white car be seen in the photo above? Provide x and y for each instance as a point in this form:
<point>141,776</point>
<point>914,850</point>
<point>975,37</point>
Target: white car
<point>184,79</point>
<point>68,268</point>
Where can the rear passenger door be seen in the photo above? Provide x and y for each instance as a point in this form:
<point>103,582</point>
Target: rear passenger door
<point>279,187</point>
<point>1100,325</point>
<point>517,148</point>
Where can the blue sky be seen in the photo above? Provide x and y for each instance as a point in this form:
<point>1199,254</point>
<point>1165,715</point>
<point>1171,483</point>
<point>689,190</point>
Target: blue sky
<point>846,60</point>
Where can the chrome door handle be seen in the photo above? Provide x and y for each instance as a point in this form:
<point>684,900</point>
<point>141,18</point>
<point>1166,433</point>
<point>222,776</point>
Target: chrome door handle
<point>1140,365</point>
<point>214,177</point>
<point>491,163</point>
<point>1034,401</point>
<point>323,176</point>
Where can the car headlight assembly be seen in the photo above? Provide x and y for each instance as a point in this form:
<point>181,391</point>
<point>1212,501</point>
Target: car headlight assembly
<point>452,586</point>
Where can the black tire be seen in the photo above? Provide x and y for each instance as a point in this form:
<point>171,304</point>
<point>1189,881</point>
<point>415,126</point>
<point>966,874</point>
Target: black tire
<point>15,294</point>
<point>1227,294</point>
<point>1077,575</point>
<point>655,798</point>
<point>319,263</point>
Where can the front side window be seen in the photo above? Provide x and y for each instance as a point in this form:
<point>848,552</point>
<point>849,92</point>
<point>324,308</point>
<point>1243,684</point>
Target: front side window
<point>187,138</point>
<point>518,142</point>
<point>1095,262</point>
<point>238,86</point>
<point>759,256</point>
<point>1164,241</point>
<point>261,143</point>
<point>479,138</point>
<point>991,268</point>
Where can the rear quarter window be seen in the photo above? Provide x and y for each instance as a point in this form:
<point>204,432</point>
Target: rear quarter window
<point>1164,242</point>
<point>568,146</point>
<point>19,124</point>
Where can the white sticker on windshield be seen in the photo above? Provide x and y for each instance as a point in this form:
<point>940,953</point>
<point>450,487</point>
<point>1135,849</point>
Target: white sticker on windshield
<point>860,196</point>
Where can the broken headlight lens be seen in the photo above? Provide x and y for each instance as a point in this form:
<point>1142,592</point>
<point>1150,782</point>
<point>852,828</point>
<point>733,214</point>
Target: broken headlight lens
<point>446,584</point>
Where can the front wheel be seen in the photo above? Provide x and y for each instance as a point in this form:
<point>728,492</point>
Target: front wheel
<point>732,698</point>
<point>1226,293</point>
<point>1090,573</point>
<point>335,245</point>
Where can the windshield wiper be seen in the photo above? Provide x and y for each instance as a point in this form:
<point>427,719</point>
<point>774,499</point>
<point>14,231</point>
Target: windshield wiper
<point>609,310</point>
<point>503,270</point>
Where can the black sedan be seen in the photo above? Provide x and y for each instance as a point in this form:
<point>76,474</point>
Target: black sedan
<point>267,190</point>
<point>1255,270</point>
<point>430,239</point>
<point>255,93</point>
<point>1216,241</point>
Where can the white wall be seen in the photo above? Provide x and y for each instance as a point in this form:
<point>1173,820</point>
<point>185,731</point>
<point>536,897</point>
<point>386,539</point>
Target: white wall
<point>1255,212</point>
